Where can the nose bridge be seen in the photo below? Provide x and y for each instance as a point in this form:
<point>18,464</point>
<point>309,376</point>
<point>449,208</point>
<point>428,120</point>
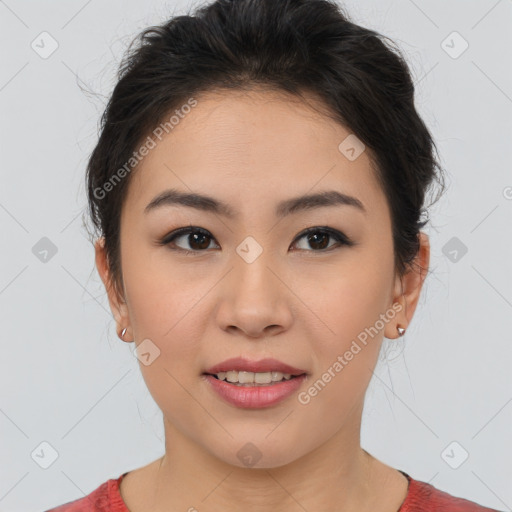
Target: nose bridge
<point>252,274</point>
<point>253,298</point>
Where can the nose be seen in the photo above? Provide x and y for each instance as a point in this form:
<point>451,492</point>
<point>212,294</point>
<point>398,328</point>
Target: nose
<point>254,300</point>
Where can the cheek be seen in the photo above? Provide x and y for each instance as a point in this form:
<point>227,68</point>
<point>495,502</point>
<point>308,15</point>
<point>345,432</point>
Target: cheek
<point>165,311</point>
<point>349,303</point>
<point>346,357</point>
<point>350,296</point>
<point>350,351</point>
<point>162,296</point>
<point>165,307</point>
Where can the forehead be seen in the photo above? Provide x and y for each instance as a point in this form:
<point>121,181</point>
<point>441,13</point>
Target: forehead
<point>251,147</point>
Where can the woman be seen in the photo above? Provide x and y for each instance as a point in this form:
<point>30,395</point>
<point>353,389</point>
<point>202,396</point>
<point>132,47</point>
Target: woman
<point>258,188</point>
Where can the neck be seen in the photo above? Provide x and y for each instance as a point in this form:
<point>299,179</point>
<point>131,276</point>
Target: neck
<point>338,475</point>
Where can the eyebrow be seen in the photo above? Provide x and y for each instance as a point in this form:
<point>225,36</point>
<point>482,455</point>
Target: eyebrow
<point>172,197</point>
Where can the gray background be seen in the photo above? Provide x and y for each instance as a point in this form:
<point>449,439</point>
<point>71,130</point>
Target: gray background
<point>67,380</point>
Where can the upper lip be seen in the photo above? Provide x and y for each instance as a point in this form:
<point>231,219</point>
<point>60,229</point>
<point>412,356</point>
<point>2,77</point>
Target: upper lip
<point>247,365</point>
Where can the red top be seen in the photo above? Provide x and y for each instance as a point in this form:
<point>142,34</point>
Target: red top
<point>421,497</point>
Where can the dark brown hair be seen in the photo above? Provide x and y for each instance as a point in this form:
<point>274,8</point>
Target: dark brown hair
<point>293,46</point>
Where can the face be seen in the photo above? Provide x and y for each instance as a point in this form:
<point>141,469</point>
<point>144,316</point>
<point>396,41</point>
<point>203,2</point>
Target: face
<point>254,284</point>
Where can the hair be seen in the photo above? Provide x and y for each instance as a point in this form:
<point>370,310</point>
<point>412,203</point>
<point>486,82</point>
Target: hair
<point>298,47</point>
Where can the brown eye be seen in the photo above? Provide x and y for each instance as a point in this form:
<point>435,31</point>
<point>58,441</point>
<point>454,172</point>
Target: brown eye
<point>318,241</point>
<point>317,238</point>
<point>198,239</point>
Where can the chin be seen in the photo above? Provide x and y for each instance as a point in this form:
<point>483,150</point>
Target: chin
<point>264,454</point>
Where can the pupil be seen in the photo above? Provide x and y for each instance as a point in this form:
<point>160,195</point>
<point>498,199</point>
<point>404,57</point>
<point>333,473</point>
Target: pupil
<point>199,236</point>
<point>311,238</point>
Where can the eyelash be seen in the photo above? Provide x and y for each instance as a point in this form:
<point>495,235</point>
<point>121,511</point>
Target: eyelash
<point>340,237</point>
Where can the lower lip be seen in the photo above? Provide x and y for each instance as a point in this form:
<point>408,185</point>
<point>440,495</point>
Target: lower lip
<point>255,397</point>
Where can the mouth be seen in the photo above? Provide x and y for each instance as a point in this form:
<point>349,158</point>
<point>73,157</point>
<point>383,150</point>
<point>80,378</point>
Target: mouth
<point>251,373</point>
<point>254,390</point>
<point>253,379</point>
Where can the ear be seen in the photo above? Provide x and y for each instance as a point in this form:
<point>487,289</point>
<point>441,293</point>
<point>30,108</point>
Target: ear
<point>117,303</point>
<point>408,288</point>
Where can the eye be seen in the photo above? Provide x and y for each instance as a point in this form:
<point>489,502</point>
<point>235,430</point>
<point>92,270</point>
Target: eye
<point>318,237</point>
<point>199,239</point>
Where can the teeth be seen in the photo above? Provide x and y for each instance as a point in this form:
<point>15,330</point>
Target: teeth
<point>244,377</point>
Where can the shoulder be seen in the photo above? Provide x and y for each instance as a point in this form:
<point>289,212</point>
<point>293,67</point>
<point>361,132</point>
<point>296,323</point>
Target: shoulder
<point>424,497</point>
<point>105,498</point>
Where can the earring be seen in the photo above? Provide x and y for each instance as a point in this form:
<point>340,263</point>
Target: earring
<point>123,332</point>
<point>401,330</point>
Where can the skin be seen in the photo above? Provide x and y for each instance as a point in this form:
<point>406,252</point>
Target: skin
<point>296,302</point>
